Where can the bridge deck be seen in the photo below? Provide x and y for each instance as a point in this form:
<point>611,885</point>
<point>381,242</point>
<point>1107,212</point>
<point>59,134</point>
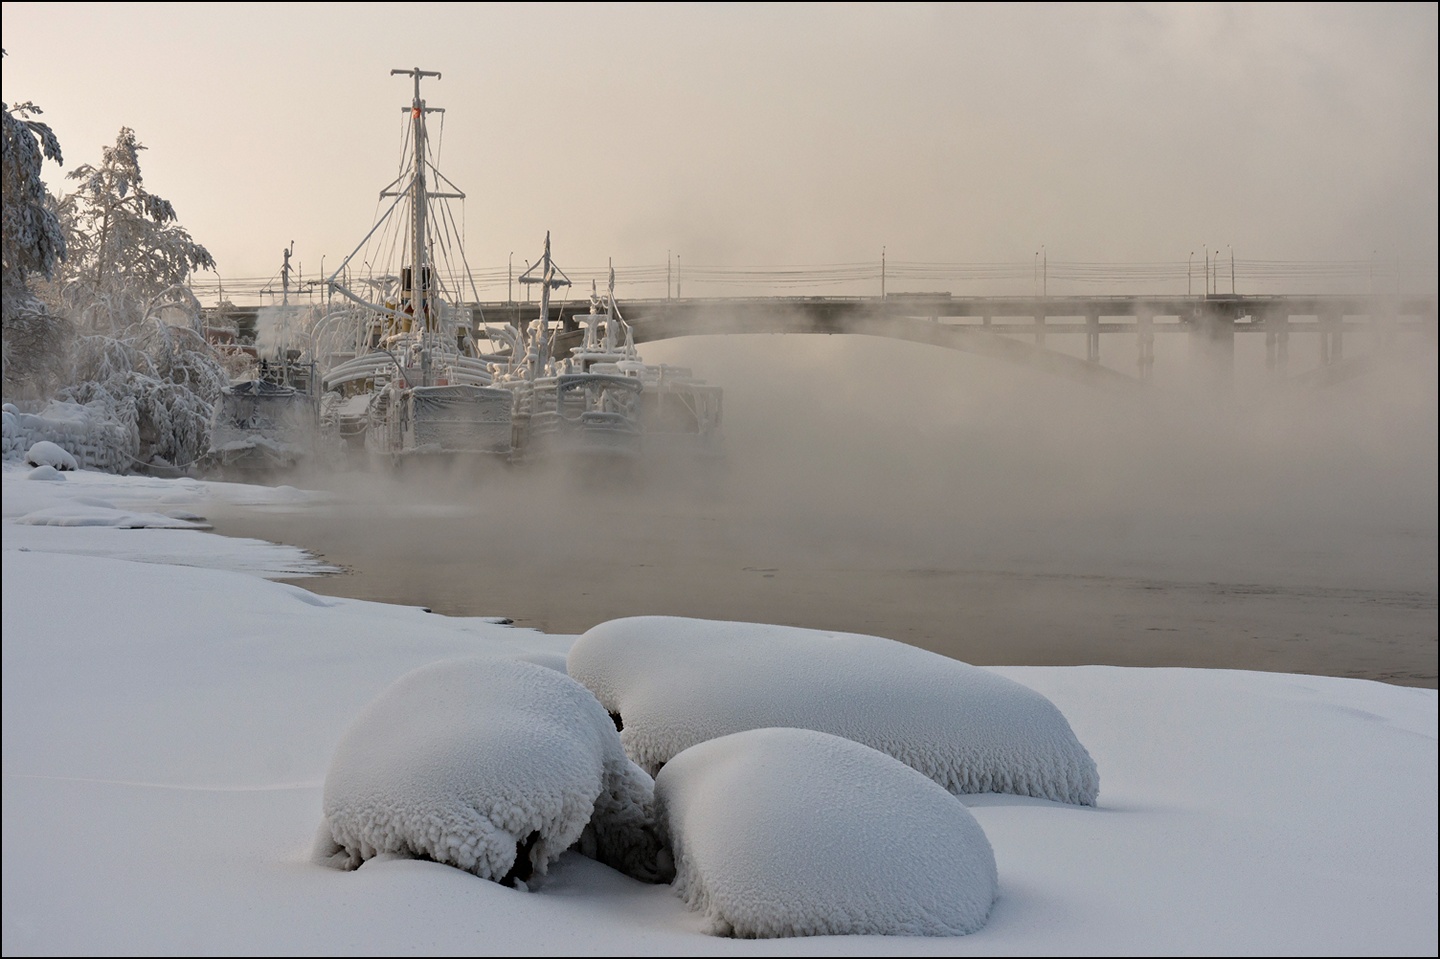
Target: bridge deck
<point>1009,328</point>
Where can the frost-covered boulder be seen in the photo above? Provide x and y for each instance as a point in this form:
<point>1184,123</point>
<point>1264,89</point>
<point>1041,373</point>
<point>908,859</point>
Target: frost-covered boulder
<point>46,453</point>
<point>792,832</point>
<point>671,682</point>
<point>47,473</point>
<point>494,766</point>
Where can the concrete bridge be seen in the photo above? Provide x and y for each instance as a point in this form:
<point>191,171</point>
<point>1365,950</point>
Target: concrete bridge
<point>1015,329</point>
<point>1023,330</point>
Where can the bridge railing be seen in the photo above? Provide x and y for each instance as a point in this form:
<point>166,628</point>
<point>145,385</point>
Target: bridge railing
<point>1193,276</point>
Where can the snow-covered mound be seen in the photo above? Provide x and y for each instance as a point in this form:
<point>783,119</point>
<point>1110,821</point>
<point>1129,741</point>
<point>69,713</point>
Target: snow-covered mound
<point>46,453</point>
<point>791,832</point>
<point>86,514</point>
<point>495,766</point>
<point>92,434</point>
<point>46,472</point>
<point>672,682</point>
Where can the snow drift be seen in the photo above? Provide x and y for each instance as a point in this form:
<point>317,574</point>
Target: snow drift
<point>46,453</point>
<point>495,766</point>
<point>93,435</point>
<point>672,682</point>
<point>791,832</point>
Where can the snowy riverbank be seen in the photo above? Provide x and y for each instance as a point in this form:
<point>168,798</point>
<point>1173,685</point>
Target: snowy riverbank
<point>169,716</point>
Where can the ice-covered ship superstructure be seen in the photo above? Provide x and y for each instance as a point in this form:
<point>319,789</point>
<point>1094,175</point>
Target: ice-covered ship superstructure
<point>266,424</point>
<point>580,405</point>
<point>602,401</point>
<point>402,373</point>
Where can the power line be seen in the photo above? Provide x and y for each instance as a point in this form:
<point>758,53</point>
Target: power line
<point>640,281</point>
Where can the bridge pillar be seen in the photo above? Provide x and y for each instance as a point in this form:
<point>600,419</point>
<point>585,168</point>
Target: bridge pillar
<point>1383,322</point>
<point>1145,340</point>
<point>1331,339</point>
<point>1381,332</point>
<point>1039,329</point>
<point>1092,338</point>
<point>1212,347</point>
<point>1277,341</point>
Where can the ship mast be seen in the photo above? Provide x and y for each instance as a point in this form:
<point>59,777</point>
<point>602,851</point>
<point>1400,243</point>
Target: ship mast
<point>551,277</point>
<point>610,316</point>
<point>420,279</point>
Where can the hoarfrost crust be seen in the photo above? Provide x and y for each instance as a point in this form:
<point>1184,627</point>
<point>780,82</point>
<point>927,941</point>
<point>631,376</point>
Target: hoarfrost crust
<point>676,682</point>
<point>493,766</point>
<point>791,832</point>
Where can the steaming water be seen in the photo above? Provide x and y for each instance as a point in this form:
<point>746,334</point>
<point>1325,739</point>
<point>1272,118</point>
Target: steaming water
<point>985,513</point>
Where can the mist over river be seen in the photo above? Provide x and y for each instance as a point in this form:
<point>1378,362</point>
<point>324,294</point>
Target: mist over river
<point>985,512</point>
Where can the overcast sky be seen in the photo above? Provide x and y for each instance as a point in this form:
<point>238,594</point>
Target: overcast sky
<point>762,135</point>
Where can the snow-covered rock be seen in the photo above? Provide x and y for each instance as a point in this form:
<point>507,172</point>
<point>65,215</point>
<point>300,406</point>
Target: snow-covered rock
<point>495,766</point>
<point>791,832</point>
<point>46,453</point>
<point>672,682</point>
<point>46,472</point>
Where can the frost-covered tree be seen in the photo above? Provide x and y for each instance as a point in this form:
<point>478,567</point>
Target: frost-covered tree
<point>35,339</point>
<point>125,246</point>
<point>142,359</point>
<point>33,240</point>
<point>112,260</point>
<point>159,379</point>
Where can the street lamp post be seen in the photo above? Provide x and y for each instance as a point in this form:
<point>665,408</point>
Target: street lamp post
<point>1189,271</point>
<point>510,279</point>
